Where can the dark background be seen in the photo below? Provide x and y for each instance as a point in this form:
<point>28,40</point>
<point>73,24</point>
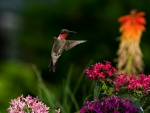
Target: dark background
<point>27,29</point>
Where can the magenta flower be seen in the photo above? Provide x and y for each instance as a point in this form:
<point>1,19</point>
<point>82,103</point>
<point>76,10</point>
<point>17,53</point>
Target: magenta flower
<point>27,105</point>
<point>100,71</point>
<point>125,83</point>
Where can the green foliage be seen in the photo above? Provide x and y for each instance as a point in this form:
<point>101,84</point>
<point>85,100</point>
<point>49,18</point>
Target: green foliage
<point>94,20</point>
<point>97,89</point>
<point>16,78</point>
<point>68,98</point>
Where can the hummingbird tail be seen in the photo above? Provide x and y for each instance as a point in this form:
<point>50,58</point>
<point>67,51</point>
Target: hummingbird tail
<point>52,66</point>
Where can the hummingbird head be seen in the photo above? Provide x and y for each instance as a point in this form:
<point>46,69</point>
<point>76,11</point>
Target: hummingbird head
<point>64,33</point>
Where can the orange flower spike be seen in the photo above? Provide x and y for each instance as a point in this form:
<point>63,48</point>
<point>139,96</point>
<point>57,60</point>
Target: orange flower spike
<point>132,25</point>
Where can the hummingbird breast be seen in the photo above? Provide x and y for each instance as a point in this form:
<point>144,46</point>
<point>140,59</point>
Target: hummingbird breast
<point>58,47</point>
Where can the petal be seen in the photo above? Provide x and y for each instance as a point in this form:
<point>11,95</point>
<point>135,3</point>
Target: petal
<point>140,14</point>
<point>124,18</point>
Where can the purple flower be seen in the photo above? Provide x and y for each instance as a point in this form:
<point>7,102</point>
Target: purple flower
<point>110,105</point>
<point>27,105</point>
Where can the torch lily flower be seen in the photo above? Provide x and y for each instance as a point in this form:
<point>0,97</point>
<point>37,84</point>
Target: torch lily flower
<point>132,26</point>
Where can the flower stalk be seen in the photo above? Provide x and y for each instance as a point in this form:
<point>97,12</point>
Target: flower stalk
<point>129,52</point>
<point>129,64</point>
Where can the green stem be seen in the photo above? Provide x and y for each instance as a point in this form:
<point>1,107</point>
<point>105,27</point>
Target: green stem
<point>147,110</point>
<point>80,78</point>
<point>143,101</point>
<point>52,100</point>
<point>67,89</point>
<point>129,65</point>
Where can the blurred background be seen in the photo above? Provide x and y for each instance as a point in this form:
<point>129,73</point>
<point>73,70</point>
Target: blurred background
<point>27,28</point>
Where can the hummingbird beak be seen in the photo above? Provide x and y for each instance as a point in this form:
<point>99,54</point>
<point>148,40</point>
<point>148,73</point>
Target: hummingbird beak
<point>72,32</point>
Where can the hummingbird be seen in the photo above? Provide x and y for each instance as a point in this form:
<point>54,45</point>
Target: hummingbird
<point>59,45</point>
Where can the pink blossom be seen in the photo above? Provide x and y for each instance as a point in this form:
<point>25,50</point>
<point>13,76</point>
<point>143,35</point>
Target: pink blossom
<point>137,85</point>
<point>131,82</point>
<point>130,86</point>
<point>100,71</point>
<point>58,111</point>
<point>28,104</point>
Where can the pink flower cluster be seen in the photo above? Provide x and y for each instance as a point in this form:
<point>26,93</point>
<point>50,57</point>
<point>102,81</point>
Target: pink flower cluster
<point>27,105</point>
<point>57,111</point>
<point>130,82</point>
<point>100,71</point>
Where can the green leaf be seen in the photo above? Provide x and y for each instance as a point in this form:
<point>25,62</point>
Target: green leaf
<point>97,89</point>
<point>146,101</point>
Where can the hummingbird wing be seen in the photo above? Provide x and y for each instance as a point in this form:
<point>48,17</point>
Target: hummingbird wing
<point>71,43</point>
